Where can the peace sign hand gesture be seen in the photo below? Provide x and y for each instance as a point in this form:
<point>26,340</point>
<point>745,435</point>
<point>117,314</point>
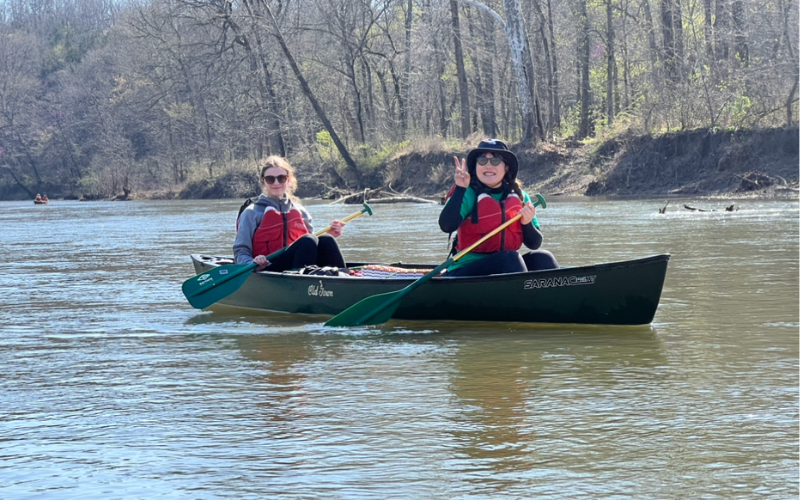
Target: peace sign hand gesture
<point>462,175</point>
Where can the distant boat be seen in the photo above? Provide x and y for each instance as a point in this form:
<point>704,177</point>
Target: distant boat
<point>40,202</point>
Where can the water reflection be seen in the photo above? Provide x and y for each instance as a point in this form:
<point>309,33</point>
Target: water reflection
<point>507,387</point>
<point>281,374</point>
<point>273,321</point>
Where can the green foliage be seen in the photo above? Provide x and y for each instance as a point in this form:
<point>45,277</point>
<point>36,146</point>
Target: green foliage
<point>374,156</point>
<point>740,110</point>
<point>570,122</point>
<point>624,120</point>
<point>327,149</point>
<point>67,45</point>
<point>368,156</point>
<point>179,111</point>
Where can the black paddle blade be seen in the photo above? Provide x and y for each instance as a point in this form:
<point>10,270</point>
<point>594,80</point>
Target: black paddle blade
<point>373,310</point>
<point>215,284</point>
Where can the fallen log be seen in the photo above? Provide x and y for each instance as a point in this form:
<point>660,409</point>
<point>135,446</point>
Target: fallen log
<point>359,197</point>
<point>401,199</point>
<point>753,181</point>
<point>693,209</point>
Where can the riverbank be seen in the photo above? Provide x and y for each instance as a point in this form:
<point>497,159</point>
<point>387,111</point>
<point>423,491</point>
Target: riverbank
<point>758,163</point>
<point>753,163</point>
<point>707,163</point>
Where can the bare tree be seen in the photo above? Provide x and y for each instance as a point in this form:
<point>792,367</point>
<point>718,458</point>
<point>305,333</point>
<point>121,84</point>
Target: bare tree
<point>586,127</point>
<point>460,71</point>
<point>514,28</point>
<point>311,97</point>
<point>611,63</point>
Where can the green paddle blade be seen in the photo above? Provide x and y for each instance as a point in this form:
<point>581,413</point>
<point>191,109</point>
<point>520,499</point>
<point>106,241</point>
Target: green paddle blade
<point>215,284</point>
<point>373,310</point>
<point>378,309</point>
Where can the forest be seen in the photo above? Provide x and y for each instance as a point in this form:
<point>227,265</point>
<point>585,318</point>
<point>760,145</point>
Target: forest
<point>105,98</point>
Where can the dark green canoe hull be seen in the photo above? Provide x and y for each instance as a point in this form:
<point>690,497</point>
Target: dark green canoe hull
<point>618,293</point>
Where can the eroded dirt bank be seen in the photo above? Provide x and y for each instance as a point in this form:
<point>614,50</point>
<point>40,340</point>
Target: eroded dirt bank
<point>700,162</point>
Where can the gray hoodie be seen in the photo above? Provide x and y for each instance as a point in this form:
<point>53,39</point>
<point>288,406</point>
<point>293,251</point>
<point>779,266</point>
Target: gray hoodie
<point>250,219</point>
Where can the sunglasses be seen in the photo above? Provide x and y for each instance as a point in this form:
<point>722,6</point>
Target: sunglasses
<point>494,161</point>
<point>271,179</point>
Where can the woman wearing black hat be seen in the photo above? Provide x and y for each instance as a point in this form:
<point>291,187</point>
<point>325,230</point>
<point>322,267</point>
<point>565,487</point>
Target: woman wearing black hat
<point>486,194</point>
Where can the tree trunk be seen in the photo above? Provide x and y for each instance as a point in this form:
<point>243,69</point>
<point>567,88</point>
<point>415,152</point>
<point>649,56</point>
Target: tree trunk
<point>677,24</point>
<point>625,59</point>
<point>790,103</point>
<point>585,128</point>
<point>515,32</point>
<point>462,74</point>
<point>786,31</point>
<point>366,75</point>
<point>793,58</point>
<point>485,100</point>
<point>266,87</point>
<point>740,34</point>
<point>442,94</point>
<point>514,28</point>
<point>721,25</point>
<point>275,133</point>
<point>406,71</point>
<point>549,71</point>
<point>651,37</point>
<point>610,62</point>
<point>708,29</point>
<point>358,120</point>
<point>274,125</point>
<point>668,34</point>
<point>554,63</point>
<point>546,48</point>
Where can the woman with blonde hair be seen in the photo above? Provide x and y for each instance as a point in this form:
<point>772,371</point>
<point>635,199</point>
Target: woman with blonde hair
<point>276,220</point>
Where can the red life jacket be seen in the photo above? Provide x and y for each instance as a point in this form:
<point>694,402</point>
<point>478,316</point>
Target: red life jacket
<point>278,230</point>
<point>491,214</point>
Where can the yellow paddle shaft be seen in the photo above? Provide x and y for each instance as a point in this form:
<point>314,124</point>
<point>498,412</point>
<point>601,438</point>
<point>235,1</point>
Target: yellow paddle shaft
<point>346,219</point>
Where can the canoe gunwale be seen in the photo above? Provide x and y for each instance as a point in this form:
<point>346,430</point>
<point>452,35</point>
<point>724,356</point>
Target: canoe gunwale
<point>214,261</point>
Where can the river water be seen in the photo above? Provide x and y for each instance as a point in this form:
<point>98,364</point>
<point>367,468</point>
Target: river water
<point>111,386</point>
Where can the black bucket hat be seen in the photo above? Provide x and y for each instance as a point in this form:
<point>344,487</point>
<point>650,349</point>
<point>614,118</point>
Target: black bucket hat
<point>496,147</point>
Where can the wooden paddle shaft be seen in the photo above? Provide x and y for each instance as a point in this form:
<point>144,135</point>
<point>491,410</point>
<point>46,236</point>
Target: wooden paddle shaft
<point>346,219</point>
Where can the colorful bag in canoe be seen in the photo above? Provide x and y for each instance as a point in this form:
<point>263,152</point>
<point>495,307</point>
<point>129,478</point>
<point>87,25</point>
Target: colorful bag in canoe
<point>388,272</point>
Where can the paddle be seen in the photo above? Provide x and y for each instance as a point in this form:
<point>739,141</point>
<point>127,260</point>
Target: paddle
<point>215,284</point>
<point>379,308</point>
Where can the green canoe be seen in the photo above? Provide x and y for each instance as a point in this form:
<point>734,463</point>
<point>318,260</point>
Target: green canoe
<point>617,293</point>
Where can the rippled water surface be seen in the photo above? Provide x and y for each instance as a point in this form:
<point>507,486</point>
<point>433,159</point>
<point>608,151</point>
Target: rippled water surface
<point>111,386</point>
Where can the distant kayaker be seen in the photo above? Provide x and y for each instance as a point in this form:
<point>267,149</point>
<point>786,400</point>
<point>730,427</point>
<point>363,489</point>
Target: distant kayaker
<point>38,197</point>
<point>277,219</point>
<point>486,194</point>
<point>44,199</point>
